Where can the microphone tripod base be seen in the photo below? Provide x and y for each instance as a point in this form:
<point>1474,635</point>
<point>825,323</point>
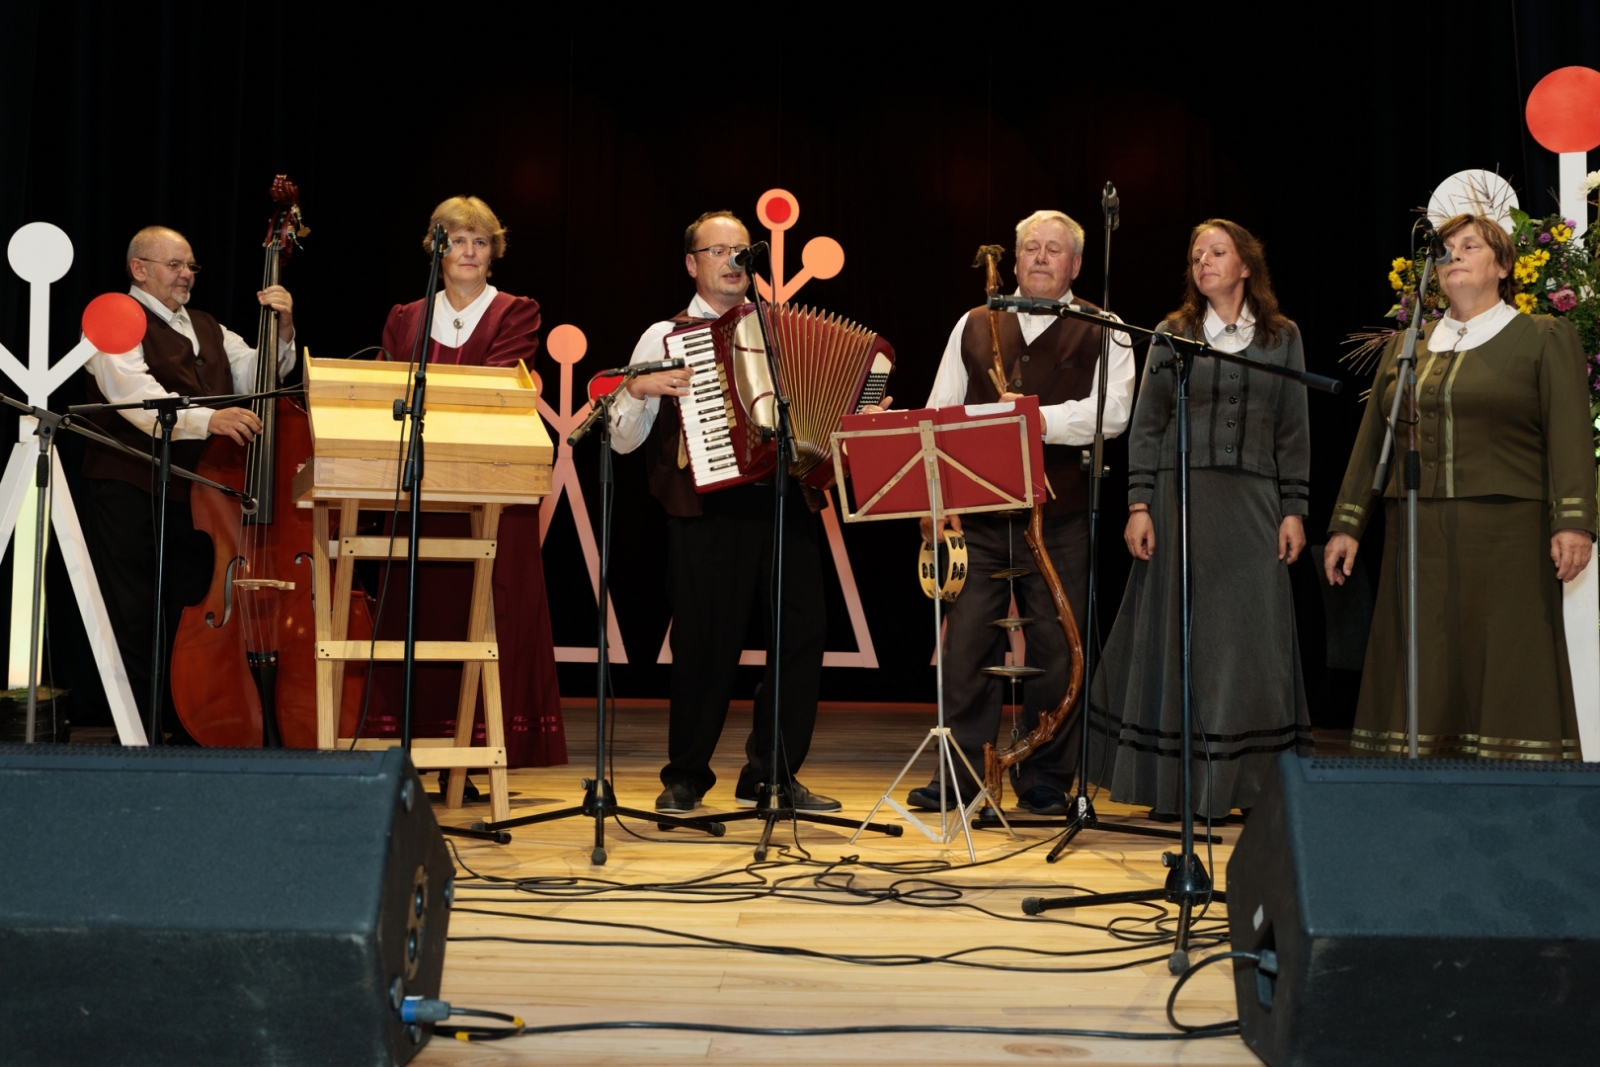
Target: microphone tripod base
<point>599,804</point>
<point>1084,819</point>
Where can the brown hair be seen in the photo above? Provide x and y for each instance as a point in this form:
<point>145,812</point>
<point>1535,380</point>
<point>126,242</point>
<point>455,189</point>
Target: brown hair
<point>690,235</point>
<point>1271,324</point>
<point>1505,253</point>
<point>467,213</point>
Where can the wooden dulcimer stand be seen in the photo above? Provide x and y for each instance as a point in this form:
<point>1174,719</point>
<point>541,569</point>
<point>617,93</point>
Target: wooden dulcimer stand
<point>930,463</point>
<point>487,448</point>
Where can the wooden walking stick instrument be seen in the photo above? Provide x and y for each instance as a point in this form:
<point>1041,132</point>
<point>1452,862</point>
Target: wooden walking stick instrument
<point>989,259</point>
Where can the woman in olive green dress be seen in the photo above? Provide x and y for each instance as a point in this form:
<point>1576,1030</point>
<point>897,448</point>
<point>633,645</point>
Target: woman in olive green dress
<point>1505,514</point>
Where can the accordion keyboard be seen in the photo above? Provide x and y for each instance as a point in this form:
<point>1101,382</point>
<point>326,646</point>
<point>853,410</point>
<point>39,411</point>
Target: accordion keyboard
<point>707,414</point>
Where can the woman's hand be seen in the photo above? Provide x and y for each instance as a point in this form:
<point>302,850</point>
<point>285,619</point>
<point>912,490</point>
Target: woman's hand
<point>878,408</point>
<point>1569,551</point>
<point>1140,535</point>
<point>1341,549</point>
<point>1291,538</point>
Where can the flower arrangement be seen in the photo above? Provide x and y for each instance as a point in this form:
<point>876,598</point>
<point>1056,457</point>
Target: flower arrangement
<point>1557,274</point>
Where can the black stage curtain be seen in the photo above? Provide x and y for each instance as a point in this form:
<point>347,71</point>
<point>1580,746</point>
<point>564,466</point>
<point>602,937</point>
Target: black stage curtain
<point>910,144</point>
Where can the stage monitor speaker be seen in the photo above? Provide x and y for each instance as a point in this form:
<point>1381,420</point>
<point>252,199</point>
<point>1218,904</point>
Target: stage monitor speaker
<point>1420,912</point>
<point>210,906</point>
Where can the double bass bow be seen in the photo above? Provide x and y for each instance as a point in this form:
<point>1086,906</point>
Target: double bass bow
<point>244,659</point>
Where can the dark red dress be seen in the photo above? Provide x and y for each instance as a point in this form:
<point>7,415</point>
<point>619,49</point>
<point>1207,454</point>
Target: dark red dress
<point>508,332</point>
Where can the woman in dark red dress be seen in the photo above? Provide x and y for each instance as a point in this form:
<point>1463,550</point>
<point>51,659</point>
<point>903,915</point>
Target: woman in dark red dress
<point>475,324</point>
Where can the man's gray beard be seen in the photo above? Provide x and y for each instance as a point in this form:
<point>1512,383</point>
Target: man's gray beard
<point>182,296</point>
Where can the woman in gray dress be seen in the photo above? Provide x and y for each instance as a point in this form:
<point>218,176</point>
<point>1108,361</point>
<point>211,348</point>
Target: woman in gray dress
<point>1248,492</point>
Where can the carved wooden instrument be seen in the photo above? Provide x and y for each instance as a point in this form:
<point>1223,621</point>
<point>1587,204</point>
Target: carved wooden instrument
<point>989,259</point>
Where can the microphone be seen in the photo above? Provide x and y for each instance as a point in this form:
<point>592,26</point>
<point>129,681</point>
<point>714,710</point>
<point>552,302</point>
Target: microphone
<point>752,258</point>
<point>1031,905</point>
<point>441,240</point>
<point>1441,255</point>
<point>634,370</point>
<point>1111,204</point>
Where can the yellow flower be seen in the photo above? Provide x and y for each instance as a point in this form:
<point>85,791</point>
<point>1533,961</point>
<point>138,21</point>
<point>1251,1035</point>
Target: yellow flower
<point>1526,302</point>
<point>1400,264</point>
<point>1541,257</point>
<point>1395,281</point>
<point>1560,232</point>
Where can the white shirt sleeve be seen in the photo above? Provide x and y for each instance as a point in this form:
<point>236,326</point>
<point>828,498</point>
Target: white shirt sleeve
<point>631,417</point>
<point>1072,423</point>
<point>242,360</point>
<point>126,377</point>
<point>950,383</point>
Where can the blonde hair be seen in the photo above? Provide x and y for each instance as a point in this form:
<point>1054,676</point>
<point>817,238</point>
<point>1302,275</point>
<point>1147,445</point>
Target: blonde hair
<point>1073,229</point>
<point>467,213</point>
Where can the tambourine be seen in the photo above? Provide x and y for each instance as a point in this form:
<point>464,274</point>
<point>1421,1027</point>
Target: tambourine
<point>955,575</point>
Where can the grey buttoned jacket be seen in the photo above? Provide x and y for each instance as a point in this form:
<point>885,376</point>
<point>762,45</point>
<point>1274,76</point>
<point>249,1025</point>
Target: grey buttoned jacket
<point>1240,419</point>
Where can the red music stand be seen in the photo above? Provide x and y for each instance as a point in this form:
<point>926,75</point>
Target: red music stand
<point>935,462</point>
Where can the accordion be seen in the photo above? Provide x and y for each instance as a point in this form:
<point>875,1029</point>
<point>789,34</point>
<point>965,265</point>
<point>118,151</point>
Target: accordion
<point>828,368</point>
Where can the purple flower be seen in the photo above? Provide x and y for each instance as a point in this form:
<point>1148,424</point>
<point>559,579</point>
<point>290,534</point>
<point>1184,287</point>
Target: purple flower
<point>1403,315</point>
<point>1564,299</point>
<point>1572,224</point>
<point>1544,238</point>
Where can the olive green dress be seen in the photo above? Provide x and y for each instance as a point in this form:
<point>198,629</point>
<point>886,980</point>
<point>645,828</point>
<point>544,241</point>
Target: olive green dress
<point>1507,457</point>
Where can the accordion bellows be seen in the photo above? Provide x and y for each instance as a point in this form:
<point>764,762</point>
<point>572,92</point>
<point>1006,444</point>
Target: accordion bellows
<point>828,367</point>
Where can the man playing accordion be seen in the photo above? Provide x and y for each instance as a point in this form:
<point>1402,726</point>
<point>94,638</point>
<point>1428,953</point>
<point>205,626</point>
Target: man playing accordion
<point>719,563</point>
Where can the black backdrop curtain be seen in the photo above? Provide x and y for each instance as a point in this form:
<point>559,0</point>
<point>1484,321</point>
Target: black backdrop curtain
<point>911,144</point>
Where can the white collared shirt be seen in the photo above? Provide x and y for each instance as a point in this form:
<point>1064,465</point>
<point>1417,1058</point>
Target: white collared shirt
<point>454,328</point>
<point>1229,337</point>
<point>1452,335</point>
<point>631,417</point>
<point>125,377</point>
<point>1069,423</point>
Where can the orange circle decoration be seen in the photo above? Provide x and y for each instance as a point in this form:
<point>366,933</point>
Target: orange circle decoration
<point>1564,110</point>
<point>601,384</point>
<point>114,323</point>
<point>777,209</point>
<point>567,344</point>
<point>823,257</point>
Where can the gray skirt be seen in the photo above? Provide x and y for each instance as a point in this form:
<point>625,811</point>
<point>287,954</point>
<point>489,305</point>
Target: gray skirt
<point>1249,695</point>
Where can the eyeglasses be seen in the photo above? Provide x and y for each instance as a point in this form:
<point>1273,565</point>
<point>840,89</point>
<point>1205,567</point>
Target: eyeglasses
<point>174,265</point>
<point>720,251</point>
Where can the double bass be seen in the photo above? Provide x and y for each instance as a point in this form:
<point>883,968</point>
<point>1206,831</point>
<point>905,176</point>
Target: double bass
<point>243,662</point>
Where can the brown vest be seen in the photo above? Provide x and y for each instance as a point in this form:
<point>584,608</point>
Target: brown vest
<point>1058,366</point>
<point>178,369</point>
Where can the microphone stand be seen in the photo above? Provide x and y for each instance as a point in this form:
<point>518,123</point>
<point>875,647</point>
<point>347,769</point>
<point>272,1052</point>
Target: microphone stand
<point>411,476</point>
<point>776,802</point>
<point>1411,477</point>
<point>166,409</point>
<point>1189,884</point>
<point>599,800</point>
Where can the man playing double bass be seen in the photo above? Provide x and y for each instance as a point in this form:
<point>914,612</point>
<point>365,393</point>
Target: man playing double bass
<point>1057,360</point>
<point>184,353</point>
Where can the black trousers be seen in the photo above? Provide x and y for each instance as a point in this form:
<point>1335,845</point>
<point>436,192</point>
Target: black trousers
<point>973,700</point>
<point>719,571</point>
<point>119,524</point>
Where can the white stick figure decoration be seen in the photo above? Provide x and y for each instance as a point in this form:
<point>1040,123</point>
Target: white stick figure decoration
<point>41,254</point>
<point>822,258</point>
<point>567,346</point>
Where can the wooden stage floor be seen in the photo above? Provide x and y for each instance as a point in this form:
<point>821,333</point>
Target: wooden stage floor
<point>575,973</point>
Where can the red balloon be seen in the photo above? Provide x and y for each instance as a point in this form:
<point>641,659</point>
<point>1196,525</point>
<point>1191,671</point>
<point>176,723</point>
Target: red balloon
<point>114,323</point>
<point>601,384</point>
<point>1564,110</point>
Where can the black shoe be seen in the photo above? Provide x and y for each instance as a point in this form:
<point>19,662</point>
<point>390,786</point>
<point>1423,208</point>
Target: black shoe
<point>926,797</point>
<point>1044,800</point>
<point>469,794</point>
<point>1162,816</point>
<point>803,800</point>
<point>677,799</point>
